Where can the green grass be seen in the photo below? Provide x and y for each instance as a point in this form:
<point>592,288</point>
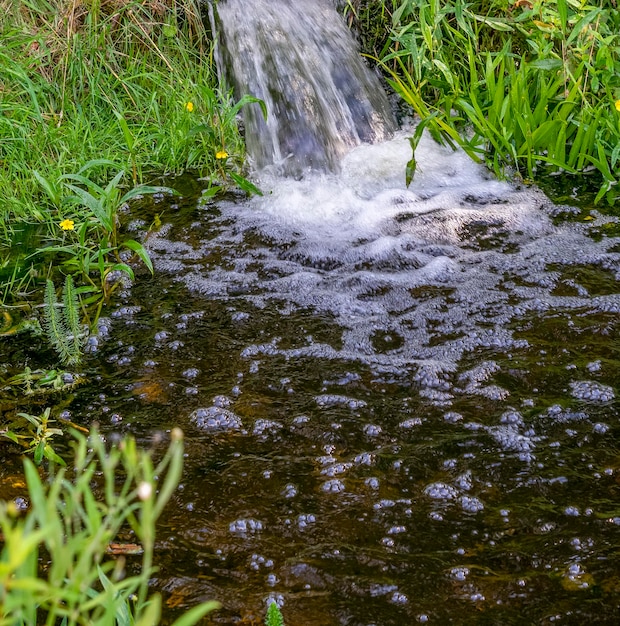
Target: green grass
<point>75,518</point>
<point>527,87</point>
<point>131,85</point>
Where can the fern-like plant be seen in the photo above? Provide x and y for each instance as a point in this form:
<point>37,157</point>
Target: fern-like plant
<point>274,615</point>
<point>62,322</point>
<point>71,313</point>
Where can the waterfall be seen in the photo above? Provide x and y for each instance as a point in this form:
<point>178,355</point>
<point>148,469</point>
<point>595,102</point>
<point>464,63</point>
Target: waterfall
<point>301,60</point>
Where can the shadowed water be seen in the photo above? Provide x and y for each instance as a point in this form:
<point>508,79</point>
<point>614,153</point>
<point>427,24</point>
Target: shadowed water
<point>400,405</point>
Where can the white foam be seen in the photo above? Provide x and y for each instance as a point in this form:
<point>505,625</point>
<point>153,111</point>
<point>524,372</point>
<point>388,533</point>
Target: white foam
<point>437,266</point>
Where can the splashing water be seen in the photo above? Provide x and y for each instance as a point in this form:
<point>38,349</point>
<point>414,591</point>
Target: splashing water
<point>401,402</point>
<point>302,61</point>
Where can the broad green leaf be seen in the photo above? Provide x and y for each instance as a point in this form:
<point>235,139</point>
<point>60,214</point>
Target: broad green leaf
<point>249,100</point>
<point>94,205</point>
<point>98,163</point>
<point>50,189</point>
<point>10,435</point>
<point>211,192</point>
<point>141,251</point>
<point>144,190</point>
<point>589,17</point>
<point>245,184</point>
<point>410,171</point>
<point>563,12</point>
<point>122,267</point>
<point>91,185</point>
<point>495,22</point>
<point>546,64</point>
<point>50,455</point>
<point>38,452</point>
<point>129,138</point>
<point>113,184</point>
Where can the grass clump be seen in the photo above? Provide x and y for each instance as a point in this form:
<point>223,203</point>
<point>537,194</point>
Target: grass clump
<point>75,520</point>
<point>97,96</point>
<point>522,84</point>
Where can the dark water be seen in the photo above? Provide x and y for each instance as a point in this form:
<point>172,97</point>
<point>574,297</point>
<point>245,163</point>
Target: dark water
<point>388,426</point>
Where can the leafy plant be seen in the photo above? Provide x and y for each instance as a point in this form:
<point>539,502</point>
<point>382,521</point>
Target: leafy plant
<point>41,381</point>
<point>519,84</point>
<point>274,615</point>
<point>92,249</point>
<point>37,436</point>
<point>62,322</point>
<point>77,526</point>
<point>91,84</point>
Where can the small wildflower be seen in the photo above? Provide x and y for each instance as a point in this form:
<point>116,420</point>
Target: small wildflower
<point>617,105</point>
<point>67,224</point>
<point>221,154</point>
<point>189,106</point>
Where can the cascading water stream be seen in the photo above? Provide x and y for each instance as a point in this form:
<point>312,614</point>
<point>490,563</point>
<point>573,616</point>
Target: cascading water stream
<point>399,402</point>
<point>341,234</point>
<point>301,60</point>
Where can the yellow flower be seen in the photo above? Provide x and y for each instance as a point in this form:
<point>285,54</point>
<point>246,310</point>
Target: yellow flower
<point>67,224</point>
<point>189,106</point>
<point>617,105</point>
<point>221,154</point>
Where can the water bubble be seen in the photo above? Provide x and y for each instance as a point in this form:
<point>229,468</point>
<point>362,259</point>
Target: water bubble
<point>245,526</point>
<point>214,419</point>
<point>335,469</point>
<point>471,504</point>
<point>264,427</point>
<point>440,491</point>
<point>333,486</point>
<point>590,390</point>
<point>372,482</point>
<point>600,428</point>
<point>459,573</point>
<point>290,491</point>
<point>304,520</point>
<point>411,422</point>
<point>372,430</point>
<point>399,598</point>
<point>365,458</point>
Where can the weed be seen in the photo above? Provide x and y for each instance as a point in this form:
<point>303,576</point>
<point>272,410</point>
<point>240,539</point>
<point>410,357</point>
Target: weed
<point>520,85</point>
<point>75,517</point>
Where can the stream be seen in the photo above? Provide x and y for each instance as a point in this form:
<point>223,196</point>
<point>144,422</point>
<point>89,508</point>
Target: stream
<point>400,404</point>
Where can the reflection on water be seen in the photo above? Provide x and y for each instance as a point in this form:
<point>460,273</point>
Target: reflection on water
<point>400,405</point>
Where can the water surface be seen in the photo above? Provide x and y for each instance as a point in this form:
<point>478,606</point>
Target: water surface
<point>400,405</point>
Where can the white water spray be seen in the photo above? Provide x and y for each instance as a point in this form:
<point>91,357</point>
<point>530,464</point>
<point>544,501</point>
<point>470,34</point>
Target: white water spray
<point>302,61</point>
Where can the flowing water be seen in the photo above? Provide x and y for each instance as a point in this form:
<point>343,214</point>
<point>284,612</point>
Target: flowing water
<point>400,404</point>
<point>302,61</point>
